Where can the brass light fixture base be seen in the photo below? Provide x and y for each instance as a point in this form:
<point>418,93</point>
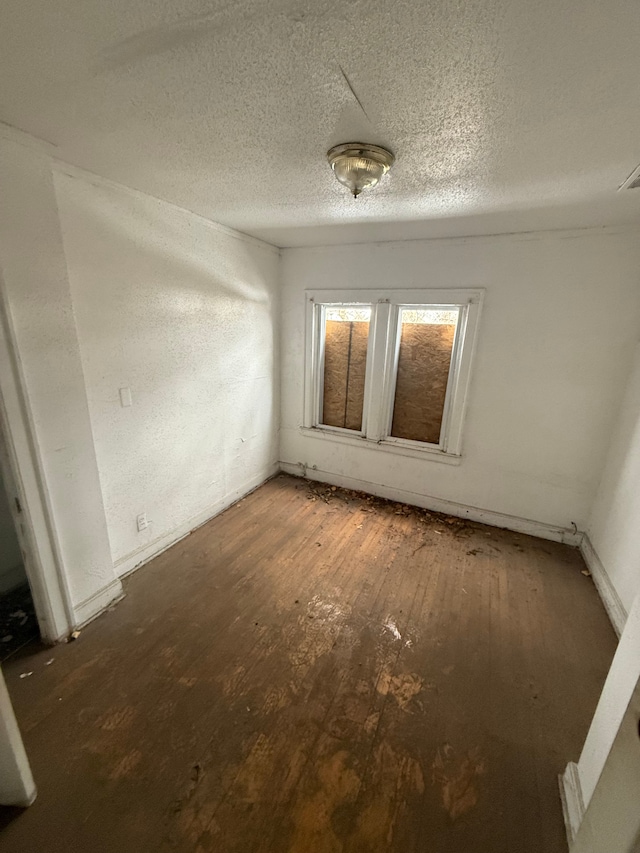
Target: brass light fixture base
<point>358,165</point>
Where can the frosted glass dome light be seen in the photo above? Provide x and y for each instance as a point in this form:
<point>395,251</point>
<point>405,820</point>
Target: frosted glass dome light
<point>359,166</point>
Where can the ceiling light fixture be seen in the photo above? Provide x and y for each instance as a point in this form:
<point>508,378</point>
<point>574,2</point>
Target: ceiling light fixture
<point>358,165</point>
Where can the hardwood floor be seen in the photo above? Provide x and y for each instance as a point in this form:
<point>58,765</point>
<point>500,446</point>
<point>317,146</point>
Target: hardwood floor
<point>318,672</point>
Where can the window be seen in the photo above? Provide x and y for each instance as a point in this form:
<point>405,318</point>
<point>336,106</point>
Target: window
<point>390,368</point>
<point>346,339</point>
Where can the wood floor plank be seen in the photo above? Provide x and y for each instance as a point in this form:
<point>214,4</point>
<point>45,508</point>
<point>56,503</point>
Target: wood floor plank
<point>316,669</point>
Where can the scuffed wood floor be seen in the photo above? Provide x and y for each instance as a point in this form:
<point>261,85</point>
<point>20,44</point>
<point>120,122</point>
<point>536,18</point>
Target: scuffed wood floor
<point>315,672</point>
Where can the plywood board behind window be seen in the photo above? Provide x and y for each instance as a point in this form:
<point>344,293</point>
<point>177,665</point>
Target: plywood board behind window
<point>423,371</point>
<point>345,360</point>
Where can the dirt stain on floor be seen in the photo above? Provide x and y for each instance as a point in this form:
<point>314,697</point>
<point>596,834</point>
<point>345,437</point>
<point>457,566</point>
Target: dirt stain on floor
<point>126,766</point>
<point>337,784</point>
<point>456,775</point>
<point>117,718</point>
<point>403,687</point>
<point>398,779</point>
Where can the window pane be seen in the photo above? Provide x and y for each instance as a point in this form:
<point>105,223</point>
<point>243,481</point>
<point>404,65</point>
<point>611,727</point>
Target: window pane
<point>424,359</point>
<point>345,360</point>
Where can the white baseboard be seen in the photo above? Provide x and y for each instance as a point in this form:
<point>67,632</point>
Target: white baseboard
<point>610,598</point>
<point>484,516</point>
<point>132,561</point>
<point>13,578</point>
<point>97,603</point>
<point>572,802</point>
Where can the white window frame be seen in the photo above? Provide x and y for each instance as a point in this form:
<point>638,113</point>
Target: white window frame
<point>381,366</point>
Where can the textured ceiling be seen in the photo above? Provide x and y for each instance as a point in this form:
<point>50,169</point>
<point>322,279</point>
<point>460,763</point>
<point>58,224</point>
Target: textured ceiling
<point>503,115</point>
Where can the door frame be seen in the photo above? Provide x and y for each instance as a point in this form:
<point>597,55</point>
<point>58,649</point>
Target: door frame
<point>20,457</point>
<point>17,787</point>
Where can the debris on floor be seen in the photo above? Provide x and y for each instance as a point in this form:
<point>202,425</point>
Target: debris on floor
<point>370,503</point>
<point>389,686</point>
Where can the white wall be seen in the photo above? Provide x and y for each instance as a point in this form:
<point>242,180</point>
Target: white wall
<point>17,787</point>
<point>601,791</point>
<point>622,681</point>
<point>556,338</point>
<point>614,525</point>
<point>39,311</point>
<point>612,820</point>
<point>606,777</point>
<point>185,314</point>
<point>12,571</point>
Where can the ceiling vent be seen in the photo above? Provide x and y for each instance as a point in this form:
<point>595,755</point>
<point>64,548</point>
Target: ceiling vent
<point>633,181</point>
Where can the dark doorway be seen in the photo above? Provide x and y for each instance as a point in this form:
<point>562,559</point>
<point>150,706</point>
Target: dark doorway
<point>18,623</point>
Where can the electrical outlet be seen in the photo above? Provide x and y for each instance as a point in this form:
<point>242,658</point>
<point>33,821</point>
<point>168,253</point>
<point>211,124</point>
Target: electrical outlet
<point>142,522</point>
<point>125,397</point>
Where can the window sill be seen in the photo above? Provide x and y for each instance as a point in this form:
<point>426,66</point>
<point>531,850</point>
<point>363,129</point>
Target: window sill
<point>430,454</point>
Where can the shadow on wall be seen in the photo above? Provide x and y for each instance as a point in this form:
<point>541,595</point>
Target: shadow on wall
<point>165,234</point>
<point>184,314</point>
<point>175,283</point>
<point>12,573</point>
<point>18,623</point>
<point>613,527</point>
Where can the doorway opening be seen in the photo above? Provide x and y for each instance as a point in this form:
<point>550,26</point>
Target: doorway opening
<point>37,572</point>
<point>18,620</point>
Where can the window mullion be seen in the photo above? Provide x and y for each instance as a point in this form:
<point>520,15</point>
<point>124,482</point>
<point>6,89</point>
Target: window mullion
<point>390,370</point>
<point>375,387</point>
<point>311,364</point>
<point>318,390</point>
